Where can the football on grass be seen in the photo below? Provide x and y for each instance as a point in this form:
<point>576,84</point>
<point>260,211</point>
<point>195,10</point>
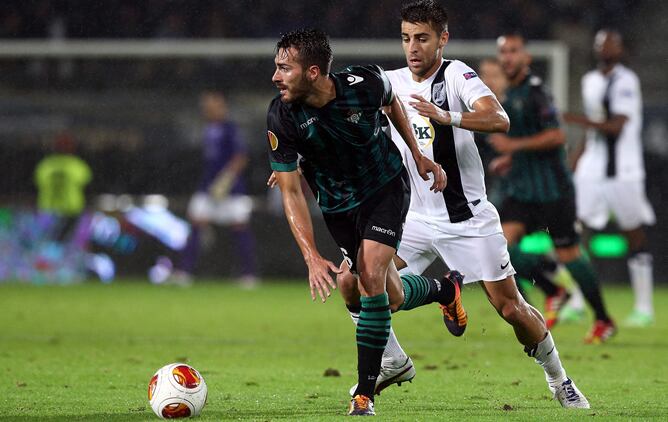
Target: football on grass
<point>177,391</point>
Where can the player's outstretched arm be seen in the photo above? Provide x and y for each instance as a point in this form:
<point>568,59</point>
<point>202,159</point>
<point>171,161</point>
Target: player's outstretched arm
<point>487,115</point>
<point>544,140</point>
<point>397,114</point>
<point>299,218</point>
<point>613,126</point>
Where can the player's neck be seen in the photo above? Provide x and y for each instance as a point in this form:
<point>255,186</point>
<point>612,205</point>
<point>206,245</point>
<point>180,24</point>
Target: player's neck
<point>607,66</point>
<point>323,92</point>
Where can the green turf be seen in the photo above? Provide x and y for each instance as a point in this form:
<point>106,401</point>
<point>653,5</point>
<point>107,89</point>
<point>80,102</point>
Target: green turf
<point>86,352</point>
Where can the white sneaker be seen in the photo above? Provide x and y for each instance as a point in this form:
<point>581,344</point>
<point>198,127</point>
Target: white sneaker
<point>392,373</point>
<point>569,396</point>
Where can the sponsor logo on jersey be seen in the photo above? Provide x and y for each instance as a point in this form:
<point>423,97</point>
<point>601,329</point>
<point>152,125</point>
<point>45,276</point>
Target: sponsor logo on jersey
<point>308,123</point>
<point>354,79</point>
<point>423,130</point>
<point>388,232</point>
<point>438,93</point>
<point>470,75</point>
<point>273,140</point>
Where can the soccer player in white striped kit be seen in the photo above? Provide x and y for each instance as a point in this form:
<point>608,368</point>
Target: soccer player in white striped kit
<point>446,102</point>
<point>610,172</point>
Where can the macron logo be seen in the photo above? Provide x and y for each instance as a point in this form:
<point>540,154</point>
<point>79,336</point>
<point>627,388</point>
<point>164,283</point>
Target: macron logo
<point>308,123</point>
<point>383,231</point>
<point>354,79</point>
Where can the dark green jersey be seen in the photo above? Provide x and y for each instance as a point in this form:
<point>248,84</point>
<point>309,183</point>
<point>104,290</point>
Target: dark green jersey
<point>347,154</point>
<point>535,176</point>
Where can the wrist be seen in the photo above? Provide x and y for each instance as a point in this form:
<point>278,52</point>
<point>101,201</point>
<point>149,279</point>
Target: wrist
<point>417,155</point>
<point>309,258</point>
<point>455,118</point>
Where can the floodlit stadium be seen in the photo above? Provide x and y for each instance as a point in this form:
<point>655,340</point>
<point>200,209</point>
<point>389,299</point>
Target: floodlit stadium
<point>200,218</point>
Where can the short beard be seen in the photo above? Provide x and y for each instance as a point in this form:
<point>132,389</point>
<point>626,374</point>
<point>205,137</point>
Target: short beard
<point>302,90</point>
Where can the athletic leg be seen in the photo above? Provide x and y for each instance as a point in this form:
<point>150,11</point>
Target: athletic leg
<point>640,267</point>
<point>530,330</point>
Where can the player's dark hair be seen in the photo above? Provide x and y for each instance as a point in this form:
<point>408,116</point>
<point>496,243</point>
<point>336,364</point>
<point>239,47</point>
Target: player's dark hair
<point>426,11</point>
<point>312,45</point>
<point>515,33</point>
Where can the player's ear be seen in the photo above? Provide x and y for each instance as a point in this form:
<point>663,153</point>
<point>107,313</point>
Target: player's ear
<point>312,73</point>
<point>445,36</point>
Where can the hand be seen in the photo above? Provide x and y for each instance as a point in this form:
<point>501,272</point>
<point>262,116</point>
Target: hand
<point>426,166</point>
<point>501,165</point>
<point>318,277</point>
<point>427,109</point>
<point>502,143</point>
<point>576,119</point>
<point>272,182</point>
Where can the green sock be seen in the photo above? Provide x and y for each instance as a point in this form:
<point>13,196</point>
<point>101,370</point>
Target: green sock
<point>583,273</point>
<point>373,330</point>
<point>419,290</point>
<point>373,327</point>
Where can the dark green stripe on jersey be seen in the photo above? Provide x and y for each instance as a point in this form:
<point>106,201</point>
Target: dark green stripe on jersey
<point>347,156</point>
<point>535,176</point>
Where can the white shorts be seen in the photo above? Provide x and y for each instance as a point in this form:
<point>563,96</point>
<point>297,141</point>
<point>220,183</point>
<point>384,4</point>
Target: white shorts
<point>475,247</point>
<point>624,199</point>
<point>235,209</point>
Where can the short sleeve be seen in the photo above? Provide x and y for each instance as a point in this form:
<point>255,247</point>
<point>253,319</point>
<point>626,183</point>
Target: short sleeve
<point>625,97</point>
<point>387,95</point>
<point>469,87</point>
<point>374,79</point>
<point>282,137</point>
<point>547,115</point>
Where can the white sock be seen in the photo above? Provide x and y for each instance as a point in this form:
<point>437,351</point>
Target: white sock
<point>547,356</point>
<point>393,350</point>
<point>577,300</point>
<point>640,269</point>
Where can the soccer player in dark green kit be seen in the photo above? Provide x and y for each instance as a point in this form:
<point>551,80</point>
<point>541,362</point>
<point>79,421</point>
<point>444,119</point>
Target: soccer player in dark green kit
<point>541,193</point>
<point>334,121</point>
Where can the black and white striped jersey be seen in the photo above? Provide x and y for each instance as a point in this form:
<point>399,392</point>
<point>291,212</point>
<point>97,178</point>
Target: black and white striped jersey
<point>455,86</point>
<point>608,156</point>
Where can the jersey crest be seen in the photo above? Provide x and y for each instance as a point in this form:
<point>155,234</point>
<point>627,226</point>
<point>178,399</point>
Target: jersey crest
<point>438,93</point>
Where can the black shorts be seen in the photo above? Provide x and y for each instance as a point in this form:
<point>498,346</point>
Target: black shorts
<point>556,218</point>
<point>380,218</point>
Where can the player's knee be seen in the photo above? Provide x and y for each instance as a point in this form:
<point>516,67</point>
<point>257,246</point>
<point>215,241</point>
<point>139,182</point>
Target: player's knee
<point>568,253</point>
<point>512,310</point>
<point>347,284</point>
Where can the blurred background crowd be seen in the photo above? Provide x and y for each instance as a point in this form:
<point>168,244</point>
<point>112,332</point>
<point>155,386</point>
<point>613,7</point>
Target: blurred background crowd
<point>138,125</point>
<point>258,18</point>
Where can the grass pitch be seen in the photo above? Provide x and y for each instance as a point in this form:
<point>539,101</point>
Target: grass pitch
<point>86,352</point>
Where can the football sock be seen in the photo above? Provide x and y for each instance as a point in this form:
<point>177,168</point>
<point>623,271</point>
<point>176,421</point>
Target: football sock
<point>419,290</point>
<point>583,273</point>
<point>547,356</point>
<point>532,267</point>
<point>393,351</point>
<point>373,329</point>
<point>640,270</point>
